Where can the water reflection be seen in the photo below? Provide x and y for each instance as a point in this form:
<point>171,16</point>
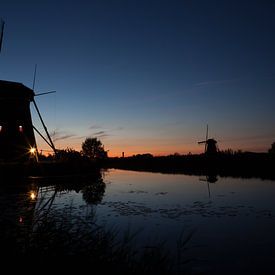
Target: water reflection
<point>25,204</point>
<point>235,224</point>
<point>235,220</point>
<point>93,193</point>
<point>209,178</point>
<point>16,212</point>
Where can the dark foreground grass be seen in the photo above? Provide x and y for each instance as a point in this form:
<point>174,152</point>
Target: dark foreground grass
<point>61,241</point>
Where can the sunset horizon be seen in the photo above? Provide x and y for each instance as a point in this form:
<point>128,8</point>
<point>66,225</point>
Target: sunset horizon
<point>145,77</point>
<point>138,136</point>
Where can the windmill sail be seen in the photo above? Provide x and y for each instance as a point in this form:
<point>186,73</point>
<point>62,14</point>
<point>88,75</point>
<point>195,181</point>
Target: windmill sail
<point>206,139</point>
<point>2,24</point>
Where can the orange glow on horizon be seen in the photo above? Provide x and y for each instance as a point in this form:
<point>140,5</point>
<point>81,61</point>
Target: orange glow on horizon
<point>159,147</point>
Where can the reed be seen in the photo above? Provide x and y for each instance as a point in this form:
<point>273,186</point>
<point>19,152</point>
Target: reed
<point>83,242</point>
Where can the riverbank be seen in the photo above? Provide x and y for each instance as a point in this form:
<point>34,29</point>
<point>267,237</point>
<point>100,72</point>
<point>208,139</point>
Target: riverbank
<point>243,165</point>
<point>48,169</point>
<point>246,165</point>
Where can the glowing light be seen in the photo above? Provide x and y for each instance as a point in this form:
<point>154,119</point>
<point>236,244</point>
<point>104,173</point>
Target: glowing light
<point>32,195</point>
<point>32,150</point>
<point>20,219</point>
<point>20,128</point>
<point>1,128</point>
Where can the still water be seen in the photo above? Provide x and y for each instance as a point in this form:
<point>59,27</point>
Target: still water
<point>232,220</point>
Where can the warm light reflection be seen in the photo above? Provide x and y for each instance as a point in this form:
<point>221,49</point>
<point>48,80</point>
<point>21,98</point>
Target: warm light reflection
<point>32,150</point>
<point>32,195</point>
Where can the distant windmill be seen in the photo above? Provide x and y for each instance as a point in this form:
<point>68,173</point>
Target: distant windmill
<point>210,144</point>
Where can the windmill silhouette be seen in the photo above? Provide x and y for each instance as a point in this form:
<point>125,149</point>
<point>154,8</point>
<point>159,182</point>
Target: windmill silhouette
<point>17,140</point>
<point>210,144</point>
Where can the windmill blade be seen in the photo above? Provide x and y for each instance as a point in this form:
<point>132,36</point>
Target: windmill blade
<point>38,132</point>
<point>44,126</point>
<point>201,142</point>
<point>34,77</point>
<point>208,187</point>
<point>2,33</point>
<point>206,138</point>
<point>51,92</point>
<point>50,142</point>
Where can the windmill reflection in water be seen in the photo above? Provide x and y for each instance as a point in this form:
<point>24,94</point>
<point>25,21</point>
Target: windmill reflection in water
<point>210,178</point>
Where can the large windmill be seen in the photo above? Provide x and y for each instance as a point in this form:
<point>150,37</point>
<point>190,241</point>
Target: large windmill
<point>17,140</point>
<point>210,144</point>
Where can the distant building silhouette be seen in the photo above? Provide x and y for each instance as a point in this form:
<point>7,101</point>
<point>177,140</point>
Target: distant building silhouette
<point>16,129</point>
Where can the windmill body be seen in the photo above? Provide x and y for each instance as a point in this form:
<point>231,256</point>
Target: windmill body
<point>210,144</point>
<point>16,128</point>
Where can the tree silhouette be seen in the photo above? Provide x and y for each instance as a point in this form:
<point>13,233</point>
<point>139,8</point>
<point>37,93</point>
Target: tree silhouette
<point>93,149</point>
<point>68,155</point>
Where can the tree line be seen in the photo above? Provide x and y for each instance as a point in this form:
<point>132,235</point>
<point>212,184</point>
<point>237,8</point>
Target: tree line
<point>93,149</point>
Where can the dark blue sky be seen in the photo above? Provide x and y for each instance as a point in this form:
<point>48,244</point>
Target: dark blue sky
<point>147,76</point>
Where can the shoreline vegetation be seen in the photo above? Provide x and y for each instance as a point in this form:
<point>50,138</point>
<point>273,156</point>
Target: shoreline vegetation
<point>243,165</point>
<point>238,164</point>
<point>93,157</point>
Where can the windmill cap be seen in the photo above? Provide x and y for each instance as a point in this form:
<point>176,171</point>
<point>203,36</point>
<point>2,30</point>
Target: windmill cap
<point>15,90</point>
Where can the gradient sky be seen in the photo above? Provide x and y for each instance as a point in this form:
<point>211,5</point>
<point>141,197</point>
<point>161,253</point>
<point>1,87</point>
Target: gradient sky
<point>146,76</point>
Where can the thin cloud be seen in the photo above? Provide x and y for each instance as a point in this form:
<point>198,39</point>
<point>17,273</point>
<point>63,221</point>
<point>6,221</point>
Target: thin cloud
<point>224,81</point>
<point>119,128</point>
<point>104,133</point>
<point>95,126</point>
<point>60,135</point>
<point>99,133</point>
<point>79,137</point>
<point>214,82</point>
<point>64,137</point>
